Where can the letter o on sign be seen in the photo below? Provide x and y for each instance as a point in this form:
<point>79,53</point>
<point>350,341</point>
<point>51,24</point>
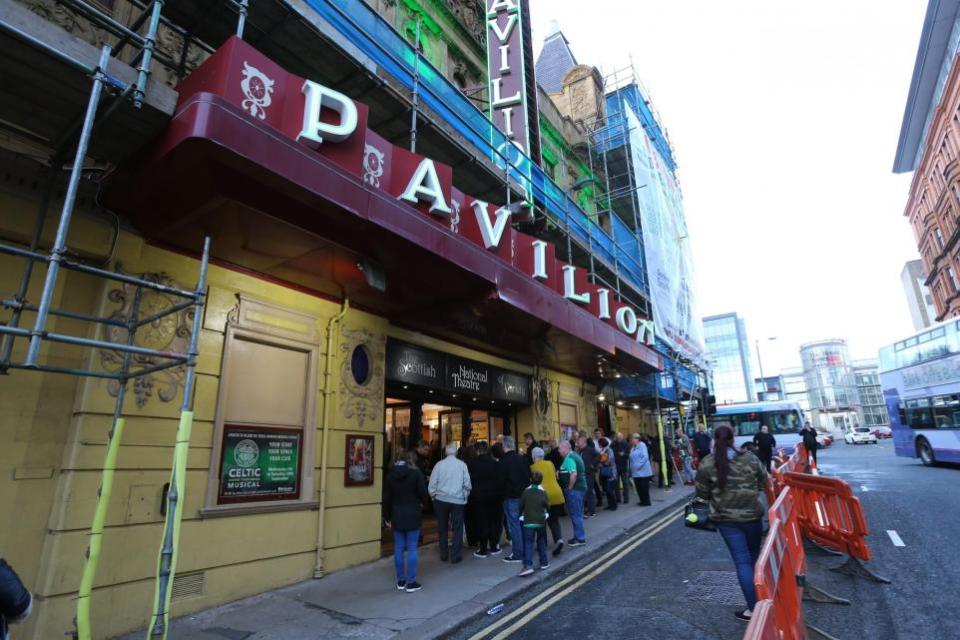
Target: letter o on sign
<point>627,320</point>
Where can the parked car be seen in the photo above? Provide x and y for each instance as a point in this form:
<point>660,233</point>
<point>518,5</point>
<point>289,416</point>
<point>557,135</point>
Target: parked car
<point>882,432</point>
<point>860,435</point>
<point>824,440</point>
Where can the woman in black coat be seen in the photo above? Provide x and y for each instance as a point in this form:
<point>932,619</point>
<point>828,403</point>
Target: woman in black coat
<point>404,492</point>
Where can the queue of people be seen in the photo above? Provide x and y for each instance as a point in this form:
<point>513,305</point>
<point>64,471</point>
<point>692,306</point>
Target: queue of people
<point>483,493</point>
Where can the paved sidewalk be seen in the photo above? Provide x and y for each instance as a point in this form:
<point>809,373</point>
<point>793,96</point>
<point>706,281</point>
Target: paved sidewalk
<point>363,602</point>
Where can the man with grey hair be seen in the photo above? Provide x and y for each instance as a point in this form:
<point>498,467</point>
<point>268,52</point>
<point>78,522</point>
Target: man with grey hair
<point>516,477</point>
<point>449,488</point>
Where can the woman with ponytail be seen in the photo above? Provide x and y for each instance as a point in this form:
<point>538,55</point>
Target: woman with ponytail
<point>731,481</point>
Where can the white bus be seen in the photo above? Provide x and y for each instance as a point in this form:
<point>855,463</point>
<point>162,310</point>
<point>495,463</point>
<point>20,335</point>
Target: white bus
<point>783,417</point>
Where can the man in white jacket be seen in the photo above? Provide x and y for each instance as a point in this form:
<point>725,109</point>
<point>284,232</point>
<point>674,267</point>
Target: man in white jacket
<point>449,488</point>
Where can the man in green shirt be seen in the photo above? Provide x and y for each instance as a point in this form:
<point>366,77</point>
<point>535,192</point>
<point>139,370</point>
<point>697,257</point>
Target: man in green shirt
<point>573,481</point>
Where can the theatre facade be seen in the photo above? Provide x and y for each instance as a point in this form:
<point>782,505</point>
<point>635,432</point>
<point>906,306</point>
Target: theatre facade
<point>357,303</point>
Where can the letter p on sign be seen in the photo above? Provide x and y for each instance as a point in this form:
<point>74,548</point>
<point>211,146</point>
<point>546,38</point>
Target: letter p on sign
<point>317,97</point>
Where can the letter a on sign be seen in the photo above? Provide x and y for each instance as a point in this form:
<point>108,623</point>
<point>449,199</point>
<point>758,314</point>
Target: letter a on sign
<point>500,5</point>
<point>316,97</point>
<point>491,233</point>
<point>425,184</point>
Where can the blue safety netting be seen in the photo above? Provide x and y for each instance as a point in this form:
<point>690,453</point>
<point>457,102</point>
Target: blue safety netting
<point>375,38</point>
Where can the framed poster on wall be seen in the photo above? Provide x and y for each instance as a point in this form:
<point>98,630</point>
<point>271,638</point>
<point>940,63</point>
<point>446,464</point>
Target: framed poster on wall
<point>259,463</point>
<point>358,465</point>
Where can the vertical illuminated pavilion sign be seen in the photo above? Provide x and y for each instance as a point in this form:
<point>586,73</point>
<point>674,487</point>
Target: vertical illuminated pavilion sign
<point>512,87</point>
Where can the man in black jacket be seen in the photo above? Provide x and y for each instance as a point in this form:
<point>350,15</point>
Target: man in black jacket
<point>701,441</point>
<point>765,444</point>
<point>487,498</point>
<point>591,463</point>
<point>515,474</point>
<point>621,449</point>
<point>810,440</point>
<point>530,442</point>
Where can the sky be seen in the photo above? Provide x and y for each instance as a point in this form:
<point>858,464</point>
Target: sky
<point>784,118</point>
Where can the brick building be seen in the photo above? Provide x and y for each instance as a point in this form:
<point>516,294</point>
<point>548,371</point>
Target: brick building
<point>929,145</point>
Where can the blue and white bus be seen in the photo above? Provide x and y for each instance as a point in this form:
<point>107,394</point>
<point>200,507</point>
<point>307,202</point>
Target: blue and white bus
<point>920,376</point>
<point>783,417</point>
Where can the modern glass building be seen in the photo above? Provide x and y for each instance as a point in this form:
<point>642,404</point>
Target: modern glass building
<point>795,387</point>
<point>728,352</point>
<point>872,408</point>
<point>831,385</point>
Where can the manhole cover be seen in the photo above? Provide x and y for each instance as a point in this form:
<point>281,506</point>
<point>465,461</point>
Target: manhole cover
<point>718,587</point>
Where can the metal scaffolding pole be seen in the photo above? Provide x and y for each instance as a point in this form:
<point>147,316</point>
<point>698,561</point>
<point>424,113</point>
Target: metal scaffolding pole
<point>60,244</point>
<point>146,54</point>
<point>415,97</point>
<point>242,9</point>
<point>170,547</point>
<point>21,295</point>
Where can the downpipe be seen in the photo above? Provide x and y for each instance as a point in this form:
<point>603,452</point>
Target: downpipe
<point>318,570</point>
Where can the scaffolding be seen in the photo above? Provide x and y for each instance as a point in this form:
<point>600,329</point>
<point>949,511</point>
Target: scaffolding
<point>77,137</point>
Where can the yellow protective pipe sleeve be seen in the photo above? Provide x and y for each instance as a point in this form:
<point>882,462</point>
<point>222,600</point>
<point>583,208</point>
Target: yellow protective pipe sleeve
<point>663,451</point>
<point>96,531</point>
<point>178,478</point>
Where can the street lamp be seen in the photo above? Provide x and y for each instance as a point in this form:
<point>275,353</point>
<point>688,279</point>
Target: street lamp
<point>763,379</point>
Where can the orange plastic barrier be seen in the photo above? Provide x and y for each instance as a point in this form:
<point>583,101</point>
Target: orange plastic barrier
<point>797,462</point>
<point>774,580</point>
<point>829,513</point>
<point>762,624</point>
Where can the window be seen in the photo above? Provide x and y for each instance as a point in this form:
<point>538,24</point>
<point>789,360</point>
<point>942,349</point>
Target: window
<point>360,365</point>
<point>939,236</point>
<point>946,411</point>
<point>950,279</point>
<point>264,435</point>
<point>568,420</point>
<point>916,414</point>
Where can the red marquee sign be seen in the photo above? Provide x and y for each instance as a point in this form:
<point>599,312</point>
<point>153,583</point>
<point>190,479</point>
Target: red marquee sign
<point>335,126</point>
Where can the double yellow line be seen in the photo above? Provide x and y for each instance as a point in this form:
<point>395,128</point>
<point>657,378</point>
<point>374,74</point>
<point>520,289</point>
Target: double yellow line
<point>541,602</point>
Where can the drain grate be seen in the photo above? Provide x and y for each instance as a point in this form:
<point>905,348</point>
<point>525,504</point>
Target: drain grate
<point>716,587</point>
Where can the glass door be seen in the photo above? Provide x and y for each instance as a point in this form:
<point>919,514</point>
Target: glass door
<point>451,427</point>
<point>496,426</point>
<point>396,432</point>
<point>479,426</point>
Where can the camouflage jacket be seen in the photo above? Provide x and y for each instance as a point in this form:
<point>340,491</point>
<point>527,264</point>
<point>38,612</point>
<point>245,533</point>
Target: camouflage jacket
<point>739,501</point>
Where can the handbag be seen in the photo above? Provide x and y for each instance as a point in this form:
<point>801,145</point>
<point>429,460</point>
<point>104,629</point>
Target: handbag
<point>696,515</point>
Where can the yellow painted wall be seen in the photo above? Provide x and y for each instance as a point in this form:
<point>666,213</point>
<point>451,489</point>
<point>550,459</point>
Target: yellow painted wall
<point>55,427</point>
<point>641,421</point>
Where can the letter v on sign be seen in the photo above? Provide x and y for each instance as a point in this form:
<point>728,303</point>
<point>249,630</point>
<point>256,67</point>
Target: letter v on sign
<point>490,232</point>
<point>504,34</point>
